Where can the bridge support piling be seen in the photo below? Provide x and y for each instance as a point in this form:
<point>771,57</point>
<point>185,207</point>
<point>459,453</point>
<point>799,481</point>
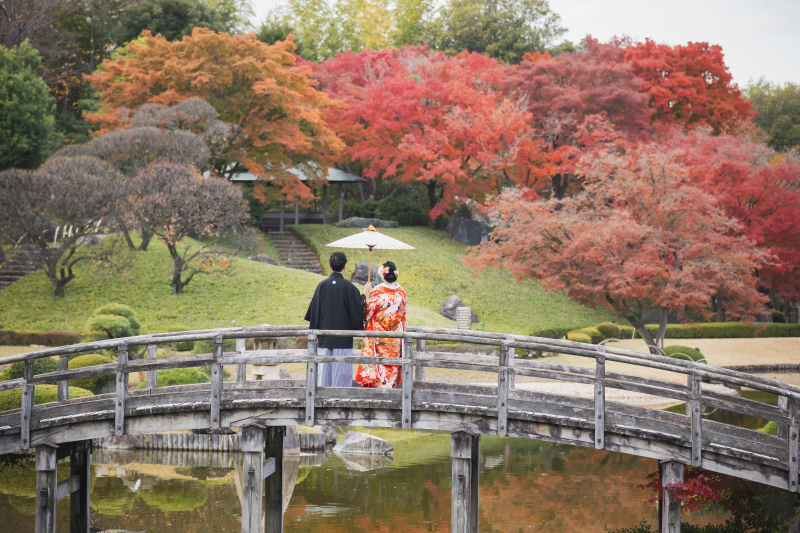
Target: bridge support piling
<point>258,443</point>
<point>46,488</point>
<point>80,462</point>
<point>464,450</point>
<point>670,509</point>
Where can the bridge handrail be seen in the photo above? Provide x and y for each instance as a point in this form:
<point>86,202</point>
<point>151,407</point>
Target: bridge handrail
<point>438,334</point>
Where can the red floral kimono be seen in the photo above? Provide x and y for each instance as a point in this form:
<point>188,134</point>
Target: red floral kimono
<point>385,311</point>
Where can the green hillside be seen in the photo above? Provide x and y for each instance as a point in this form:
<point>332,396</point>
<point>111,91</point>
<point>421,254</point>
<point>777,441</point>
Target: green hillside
<point>435,270</point>
<point>259,293</point>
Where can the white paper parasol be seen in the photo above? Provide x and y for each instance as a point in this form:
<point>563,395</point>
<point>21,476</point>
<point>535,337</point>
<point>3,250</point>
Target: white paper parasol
<point>370,238</point>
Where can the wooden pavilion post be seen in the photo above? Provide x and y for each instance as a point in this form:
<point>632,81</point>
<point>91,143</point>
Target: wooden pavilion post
<point>296,213</point>
<point>342,193</point>
<point>464,450</point>
<point>283,210</point>
<point>669,507</point>
<point>324,204</point>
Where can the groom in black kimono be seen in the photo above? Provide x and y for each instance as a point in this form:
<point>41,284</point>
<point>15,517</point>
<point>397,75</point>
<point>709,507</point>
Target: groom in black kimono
<point>336,305</point>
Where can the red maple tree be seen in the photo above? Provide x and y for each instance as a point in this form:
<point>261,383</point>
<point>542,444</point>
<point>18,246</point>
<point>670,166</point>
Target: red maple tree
<point>639,235</point>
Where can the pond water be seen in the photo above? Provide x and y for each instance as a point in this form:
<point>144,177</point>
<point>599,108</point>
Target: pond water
<point>525,485</point>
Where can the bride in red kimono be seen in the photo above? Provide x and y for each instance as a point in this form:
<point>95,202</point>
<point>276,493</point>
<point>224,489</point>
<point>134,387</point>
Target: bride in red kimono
<point>385,311</point>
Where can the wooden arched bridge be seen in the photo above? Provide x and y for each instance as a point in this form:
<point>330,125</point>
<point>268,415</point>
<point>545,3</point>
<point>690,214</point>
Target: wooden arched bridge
<point>263,409</point>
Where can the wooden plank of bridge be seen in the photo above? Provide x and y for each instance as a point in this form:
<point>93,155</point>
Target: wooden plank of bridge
<point>152,375</point>
<point>122,391</point>
<point>252,478</point>
<point>793,444</point>
<point>600,400</point>
<point>464,451</point>
<point>216,383</point>
<point>63,385</point>
<point>241,369</point>
<point>28,394</point>
<point>46,488</point>
<point>419,372</point>
<point>273,515</point>
<point>408,380</point>
<point>80,463</point>
<point>311,380</point>
<point>502,391</point>
<point>694,409</point>
<point>670,517</point>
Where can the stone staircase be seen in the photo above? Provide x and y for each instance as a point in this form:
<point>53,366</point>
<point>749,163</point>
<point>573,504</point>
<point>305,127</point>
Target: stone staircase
<point>293,252</point>
<point>27,260</point>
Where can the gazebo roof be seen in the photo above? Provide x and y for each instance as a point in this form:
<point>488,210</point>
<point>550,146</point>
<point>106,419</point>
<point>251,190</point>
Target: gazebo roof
<point>335,175</point>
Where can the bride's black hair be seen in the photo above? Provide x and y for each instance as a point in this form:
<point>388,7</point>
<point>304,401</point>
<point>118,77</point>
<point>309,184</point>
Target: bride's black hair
<point>391,272</point>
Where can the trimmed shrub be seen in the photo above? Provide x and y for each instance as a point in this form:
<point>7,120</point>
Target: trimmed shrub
<point>593,333</point>
<point>179,376</point>
<point>40,366</point>
<point>771,428</point>
<point>4,374</point>
<point>686,353</point>
<point>91,384</point>
<point>551,333</point>
<point>778,316</point>
<point>576,336</point>
<point>183,346</point>
<point>727,330</point>
<point>12,399</point>
<point>115,320</point>
<point>608,330</point>
<point>625,332</point>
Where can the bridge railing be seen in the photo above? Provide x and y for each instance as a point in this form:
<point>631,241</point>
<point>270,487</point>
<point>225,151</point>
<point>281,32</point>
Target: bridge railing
<point>419,355</point>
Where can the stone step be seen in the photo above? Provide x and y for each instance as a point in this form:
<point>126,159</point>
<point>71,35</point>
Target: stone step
<point>294,253</point>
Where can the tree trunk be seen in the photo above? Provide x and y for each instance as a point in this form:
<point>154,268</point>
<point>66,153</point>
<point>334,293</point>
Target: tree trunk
<point>177,270</point>
<point>361,197</point>
<point>638,323</point>
<point>662,327</point>
<point>146,237</point>
<point>125,233</point>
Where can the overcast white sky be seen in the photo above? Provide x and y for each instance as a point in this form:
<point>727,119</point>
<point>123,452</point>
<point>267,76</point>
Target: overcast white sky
<point>758,37</point>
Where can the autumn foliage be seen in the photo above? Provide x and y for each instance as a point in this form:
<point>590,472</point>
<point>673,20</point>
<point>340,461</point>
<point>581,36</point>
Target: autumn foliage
<point>250,84</point>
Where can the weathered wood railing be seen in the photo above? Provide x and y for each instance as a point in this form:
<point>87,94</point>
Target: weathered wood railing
<point>461,409</point>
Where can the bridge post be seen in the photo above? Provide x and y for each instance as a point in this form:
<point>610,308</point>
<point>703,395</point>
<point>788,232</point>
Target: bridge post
<point>46,488</point>
<point>408,381</point>
<point>79,465</point>
<point>122,390</point>
<point>63,385</point>
<point>792,437</point>
<point>252,478</point>
<point>669,508</point>
<point>419,372</point>
<point>464,450</point>
<point>273,515</point>
<point>241,369</point>
<point>783,428</point>
<point>694,409</point>
<point>311,379</point>
<point>152,375</point>
<point>600,400</point>
<point>216,384</point>
<point>502,390</point>
<point>28,393</point>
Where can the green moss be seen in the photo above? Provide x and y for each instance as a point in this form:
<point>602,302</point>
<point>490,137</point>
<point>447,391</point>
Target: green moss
<point>91,384</point>
<point>771,428</point>
<point>179,376</point>
<point>12,399</point>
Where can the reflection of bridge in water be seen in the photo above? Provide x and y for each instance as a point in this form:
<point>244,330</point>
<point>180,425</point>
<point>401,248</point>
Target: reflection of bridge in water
<point>263,409</point>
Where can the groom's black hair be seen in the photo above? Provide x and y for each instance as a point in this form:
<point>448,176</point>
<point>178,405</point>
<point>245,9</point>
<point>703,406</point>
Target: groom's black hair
<point>338,261</point>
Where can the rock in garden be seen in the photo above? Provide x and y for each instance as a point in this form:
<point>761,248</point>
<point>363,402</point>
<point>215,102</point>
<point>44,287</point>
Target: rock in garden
<point>448,308</point>
<point>467,226</point>
<point>263,258</point>
<point>358,222</point>
<point>364,463</point>
<point>363,444</point>
<point>360,273</point>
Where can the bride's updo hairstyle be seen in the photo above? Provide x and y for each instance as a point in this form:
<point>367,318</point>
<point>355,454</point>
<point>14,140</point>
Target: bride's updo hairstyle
<point>389,272</point>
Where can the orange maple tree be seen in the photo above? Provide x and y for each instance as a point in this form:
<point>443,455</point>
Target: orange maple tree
<point>249,83</point>
<point>639,235</point>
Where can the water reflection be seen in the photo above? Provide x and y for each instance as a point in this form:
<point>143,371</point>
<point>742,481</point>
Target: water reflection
<point>525,486</point>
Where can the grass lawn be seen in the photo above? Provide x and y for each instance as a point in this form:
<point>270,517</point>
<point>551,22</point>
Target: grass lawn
<point>435,270</point>
<point>266,294</point>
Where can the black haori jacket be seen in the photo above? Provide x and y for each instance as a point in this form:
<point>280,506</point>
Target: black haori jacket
<point>336,304</point>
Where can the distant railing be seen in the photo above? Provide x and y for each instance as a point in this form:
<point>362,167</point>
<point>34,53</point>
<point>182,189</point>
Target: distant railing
<point>416,360</point>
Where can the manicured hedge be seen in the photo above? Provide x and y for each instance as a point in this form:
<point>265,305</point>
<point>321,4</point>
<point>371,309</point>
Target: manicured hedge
<point>609,330</point>
<point>727,330</point>
<point>179,376</point>
<point>594,334</point>
<point>91,384</point>
<point>551,333</point>
<point>771,428</point>
<point>183,346</point>
<point>12,399</point>
<point>16,337</point>
<point>40,366</point>
<point>576,336</point>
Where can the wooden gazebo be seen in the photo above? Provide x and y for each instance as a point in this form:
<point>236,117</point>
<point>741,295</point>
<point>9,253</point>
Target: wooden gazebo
<point>275,221</point>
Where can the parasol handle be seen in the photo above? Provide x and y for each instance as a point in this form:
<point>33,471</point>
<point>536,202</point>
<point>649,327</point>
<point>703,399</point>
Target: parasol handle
<point>369,265</point>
